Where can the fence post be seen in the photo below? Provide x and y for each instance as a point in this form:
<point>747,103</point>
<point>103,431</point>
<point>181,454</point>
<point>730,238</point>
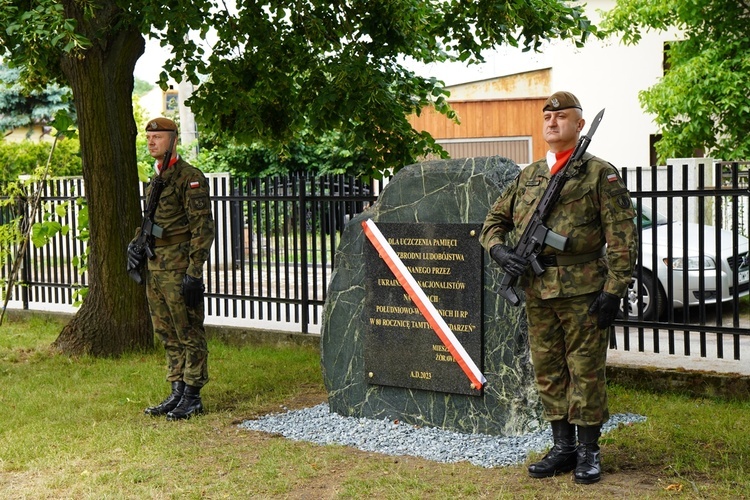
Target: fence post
<point>25,225</point>
<point>304,271</point>
<point>237,222</point>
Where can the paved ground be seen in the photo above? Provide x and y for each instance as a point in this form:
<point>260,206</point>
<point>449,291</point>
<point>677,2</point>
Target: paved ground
<point>687,350</point>
<point>694,362</point>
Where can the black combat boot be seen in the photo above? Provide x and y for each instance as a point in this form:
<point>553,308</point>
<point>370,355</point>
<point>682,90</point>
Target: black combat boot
<point>189,405</point>
<point>168,404</point>
<point>562,456</point>
<point>589,467</point>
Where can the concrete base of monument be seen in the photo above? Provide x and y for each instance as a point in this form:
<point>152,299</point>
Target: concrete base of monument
<point>380,358</point>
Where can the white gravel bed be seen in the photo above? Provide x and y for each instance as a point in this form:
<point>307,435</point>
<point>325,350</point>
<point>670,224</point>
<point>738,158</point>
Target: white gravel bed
<point>318,425</point>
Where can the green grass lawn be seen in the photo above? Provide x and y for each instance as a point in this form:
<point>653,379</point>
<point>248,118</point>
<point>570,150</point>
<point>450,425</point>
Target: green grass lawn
<point>74,428</point>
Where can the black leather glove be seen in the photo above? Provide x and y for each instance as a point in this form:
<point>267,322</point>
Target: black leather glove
<point>135,257</point>
<point>508,260</point>
<point>192,290</point>
<point>606,307</point>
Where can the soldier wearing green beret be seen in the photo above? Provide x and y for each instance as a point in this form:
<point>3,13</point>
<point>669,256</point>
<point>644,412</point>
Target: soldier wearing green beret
<point>174,287</point>
<point>572,305</point>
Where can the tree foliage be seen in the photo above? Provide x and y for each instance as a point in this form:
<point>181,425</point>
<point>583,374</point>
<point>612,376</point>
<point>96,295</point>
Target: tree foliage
<point>281,68</point>
<point>702,100</point>
<point>21,107</point>
<point>141,88</point>
<point>275,68</point>
<point>25,157</point>
<point>305,153</point>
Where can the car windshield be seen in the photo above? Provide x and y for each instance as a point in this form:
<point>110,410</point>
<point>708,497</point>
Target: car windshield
<point>649,217</point>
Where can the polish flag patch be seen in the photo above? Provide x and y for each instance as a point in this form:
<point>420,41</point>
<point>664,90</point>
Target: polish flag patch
<point>612,177</point>
<point>196,184</point>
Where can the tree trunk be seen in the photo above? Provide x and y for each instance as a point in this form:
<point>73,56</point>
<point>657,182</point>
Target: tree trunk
<point>113,318</point>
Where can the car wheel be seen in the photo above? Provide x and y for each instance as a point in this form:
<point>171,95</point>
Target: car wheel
<point>644,297</point>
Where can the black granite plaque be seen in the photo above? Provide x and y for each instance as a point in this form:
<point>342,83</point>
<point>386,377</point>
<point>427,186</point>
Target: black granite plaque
<point>400,348</point>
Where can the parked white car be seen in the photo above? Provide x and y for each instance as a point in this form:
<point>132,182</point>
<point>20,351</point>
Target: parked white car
<point>657,263</point>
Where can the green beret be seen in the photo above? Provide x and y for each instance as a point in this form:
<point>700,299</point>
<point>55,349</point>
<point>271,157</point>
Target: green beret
<point>561,100</point>
<point>161,124</point>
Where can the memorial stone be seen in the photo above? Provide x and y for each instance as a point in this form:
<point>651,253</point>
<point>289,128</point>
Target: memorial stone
<point>382,371</point>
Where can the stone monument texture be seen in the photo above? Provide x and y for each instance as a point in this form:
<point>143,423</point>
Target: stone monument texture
<point>459,191</point>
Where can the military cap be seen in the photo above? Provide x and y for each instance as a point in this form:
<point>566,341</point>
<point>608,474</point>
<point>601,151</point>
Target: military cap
<point>161,124</point>
<point>561,100</point>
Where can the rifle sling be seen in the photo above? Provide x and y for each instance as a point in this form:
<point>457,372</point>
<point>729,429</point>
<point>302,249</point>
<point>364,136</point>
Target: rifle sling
<point>570,260</point>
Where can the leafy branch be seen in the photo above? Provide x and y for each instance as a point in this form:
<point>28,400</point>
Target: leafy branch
<point>63,123</point>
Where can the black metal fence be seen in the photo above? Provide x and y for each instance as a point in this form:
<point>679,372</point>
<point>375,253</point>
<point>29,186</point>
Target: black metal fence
<point>50,276</point>
<point>270,263</point>
<point>694,264</point>
<point>276,239</point>
<point>273,259</point>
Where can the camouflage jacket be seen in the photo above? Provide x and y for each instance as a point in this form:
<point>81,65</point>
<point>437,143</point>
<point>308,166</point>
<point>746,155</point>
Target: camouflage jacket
<point>184,212</point>
<point>594,209</point>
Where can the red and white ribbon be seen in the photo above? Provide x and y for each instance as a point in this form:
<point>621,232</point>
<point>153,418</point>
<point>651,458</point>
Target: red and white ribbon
<point>419,298</point>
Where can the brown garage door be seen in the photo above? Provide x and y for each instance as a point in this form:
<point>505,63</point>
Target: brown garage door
<point>517,149</point>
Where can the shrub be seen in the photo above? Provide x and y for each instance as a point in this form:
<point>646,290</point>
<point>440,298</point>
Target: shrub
<point>23,158</point>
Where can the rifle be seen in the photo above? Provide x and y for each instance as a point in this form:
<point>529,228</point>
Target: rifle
<point>143,244</point>
<point>537,235</point>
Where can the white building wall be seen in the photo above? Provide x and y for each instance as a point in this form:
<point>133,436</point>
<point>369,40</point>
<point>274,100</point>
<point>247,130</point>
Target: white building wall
<point>607,74</point>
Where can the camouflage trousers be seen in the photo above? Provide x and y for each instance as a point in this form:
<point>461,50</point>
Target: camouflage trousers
<point>569,354</point>
<point>180,328</point>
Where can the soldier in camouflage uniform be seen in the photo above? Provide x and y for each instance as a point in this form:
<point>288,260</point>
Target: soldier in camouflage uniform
<point>572,305</point>
<point>174,286</point>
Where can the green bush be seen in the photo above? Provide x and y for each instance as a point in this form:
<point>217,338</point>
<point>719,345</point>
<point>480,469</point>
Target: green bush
<point>325,154</point>
<point>23,158</point>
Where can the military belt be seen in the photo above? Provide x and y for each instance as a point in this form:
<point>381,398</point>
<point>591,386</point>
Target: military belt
<point>569,260</point>
<point>172,239</point>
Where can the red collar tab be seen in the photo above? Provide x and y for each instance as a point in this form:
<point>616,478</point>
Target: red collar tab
<point>562,158</point>
<point>172,161</point>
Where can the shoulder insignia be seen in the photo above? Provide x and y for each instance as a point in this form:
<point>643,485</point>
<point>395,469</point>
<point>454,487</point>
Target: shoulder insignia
<point>623,201</point>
